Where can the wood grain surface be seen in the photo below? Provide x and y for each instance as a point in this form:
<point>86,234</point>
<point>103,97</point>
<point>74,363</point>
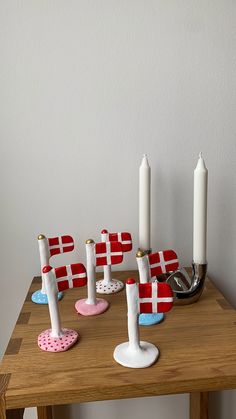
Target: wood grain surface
<point>197,352</point>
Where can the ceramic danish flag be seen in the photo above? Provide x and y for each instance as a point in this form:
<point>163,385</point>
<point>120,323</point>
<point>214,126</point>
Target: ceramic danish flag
<point>123,241</point>
<point>163,262</point>
<point>124,238</point>
<point>60,244</point>
<point>150,266</point>
<point>108,253</point>
<point>58,339</point>
<point>49,247</point>
<point>70,276</point>
<point>154,297</point>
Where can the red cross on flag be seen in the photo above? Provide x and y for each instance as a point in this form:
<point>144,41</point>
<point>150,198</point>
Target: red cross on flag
<point>124,238</point>
<point>108,253</point>
<point>61,244</point>
<point>70,276</point>
<point>155,297</point>
<point>163,262</point>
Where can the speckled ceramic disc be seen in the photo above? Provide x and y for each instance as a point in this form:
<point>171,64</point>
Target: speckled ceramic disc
<point>91,309</point>
<point>110,287</point>
<point>39,298</point>
<point>150,319</point>
<point>50,344</point>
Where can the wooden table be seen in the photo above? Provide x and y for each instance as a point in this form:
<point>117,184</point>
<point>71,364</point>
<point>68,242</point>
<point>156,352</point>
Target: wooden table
<point>197,344</point>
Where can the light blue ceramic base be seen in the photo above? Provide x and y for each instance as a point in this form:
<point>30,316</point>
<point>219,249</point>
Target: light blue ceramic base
<point>39,298</point>
<point>150,319</point>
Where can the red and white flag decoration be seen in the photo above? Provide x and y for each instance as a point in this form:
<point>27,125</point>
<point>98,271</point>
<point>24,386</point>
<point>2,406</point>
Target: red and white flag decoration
<point>124,238</point>
<point>154,297</point>
<point>163,262</point>
<point>70,276</point>
<point>61,244</point>
<point>108,253</point>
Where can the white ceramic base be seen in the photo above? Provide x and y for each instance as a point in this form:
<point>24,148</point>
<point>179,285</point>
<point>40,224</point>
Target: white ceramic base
<point>141,358</point>
<point>111,287</point>
<point>39,298</point>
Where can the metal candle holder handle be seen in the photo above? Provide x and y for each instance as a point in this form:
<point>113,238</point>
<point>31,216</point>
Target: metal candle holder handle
<point>188,290</point>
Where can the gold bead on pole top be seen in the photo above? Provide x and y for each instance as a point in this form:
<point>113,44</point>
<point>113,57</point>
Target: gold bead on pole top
<point>140,254</point>
<point>41,237</point>
<point>89,241</point>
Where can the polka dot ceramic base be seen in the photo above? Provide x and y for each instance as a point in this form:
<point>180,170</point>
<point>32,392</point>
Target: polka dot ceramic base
<point>150,319</point>
<point>39,298</point>
<point>91,309</point>
<point>110,287</point>
<point>50,344</point>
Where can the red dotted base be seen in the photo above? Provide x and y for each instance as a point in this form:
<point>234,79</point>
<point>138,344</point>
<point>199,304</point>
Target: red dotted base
<point>50,344</point>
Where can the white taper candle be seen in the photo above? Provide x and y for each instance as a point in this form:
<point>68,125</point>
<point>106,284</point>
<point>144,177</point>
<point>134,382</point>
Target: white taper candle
<point>144,204</point>
<point>200,212</point>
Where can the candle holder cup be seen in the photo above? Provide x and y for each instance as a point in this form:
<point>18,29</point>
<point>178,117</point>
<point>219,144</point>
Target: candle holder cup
<point>188,289</point>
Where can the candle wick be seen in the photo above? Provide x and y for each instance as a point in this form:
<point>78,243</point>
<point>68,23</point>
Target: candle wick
<point>145,155</point>
<point>200,155</point>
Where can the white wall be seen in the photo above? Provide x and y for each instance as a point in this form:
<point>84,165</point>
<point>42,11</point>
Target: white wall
<point>86,88</point>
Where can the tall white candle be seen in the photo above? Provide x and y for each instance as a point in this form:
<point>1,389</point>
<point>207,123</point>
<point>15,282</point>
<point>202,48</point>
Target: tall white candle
<point>144,204</point>
<point>200,211</point>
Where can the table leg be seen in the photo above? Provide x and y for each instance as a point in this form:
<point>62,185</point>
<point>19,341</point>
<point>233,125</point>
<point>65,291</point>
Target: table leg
<point>2,409</point>
<point>199,405</point>
<point>44,412</point>
<point>15,413</point>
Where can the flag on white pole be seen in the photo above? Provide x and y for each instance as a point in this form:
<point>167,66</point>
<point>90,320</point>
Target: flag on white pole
<point>70,276</point>
<point>124,238</point>
<point>154,297</point>
<point>108,253</point>
<point>163,262</point>
<point>60,244</point>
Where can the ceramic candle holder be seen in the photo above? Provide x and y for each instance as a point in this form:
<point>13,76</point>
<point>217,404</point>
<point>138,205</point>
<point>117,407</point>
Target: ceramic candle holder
<point>58,339</point>
<point>142,298</point>
<point>108,285</point>
<point>49,247</point>
<point>150,265</point>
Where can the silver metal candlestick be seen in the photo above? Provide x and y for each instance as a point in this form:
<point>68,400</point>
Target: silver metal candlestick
<point>188,289</point>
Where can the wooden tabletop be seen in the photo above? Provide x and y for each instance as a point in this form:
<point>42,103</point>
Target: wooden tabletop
<point>197,352</point>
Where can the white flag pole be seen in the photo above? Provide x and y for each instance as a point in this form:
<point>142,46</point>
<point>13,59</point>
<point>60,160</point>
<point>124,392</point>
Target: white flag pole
<point>132,303</point>
<point>44,257</point>
<point>52,290</point>
<point>91,285</point>
<point>106,268</point>
<point>143,267</point>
